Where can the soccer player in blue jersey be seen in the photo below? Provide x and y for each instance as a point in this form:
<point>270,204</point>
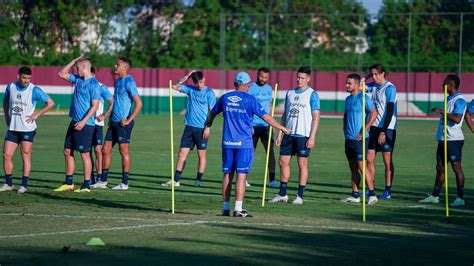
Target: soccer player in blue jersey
<point>382,134</point>
<point>122,121</point>
<point>262,91</point>
<point>85,101</point>
<point>301,116</point>
<point>468,116</point>
<point>238,108</point>
<point>456,108</point>
<point>98,137</point>
<point>353,135</point>
<point>201,99</point>
<point>19,103</point>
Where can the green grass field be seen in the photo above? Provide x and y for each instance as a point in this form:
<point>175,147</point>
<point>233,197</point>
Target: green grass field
<point>48,228</point>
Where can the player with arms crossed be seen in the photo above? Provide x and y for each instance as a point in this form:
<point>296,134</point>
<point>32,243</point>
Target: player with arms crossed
<point>262,91</point>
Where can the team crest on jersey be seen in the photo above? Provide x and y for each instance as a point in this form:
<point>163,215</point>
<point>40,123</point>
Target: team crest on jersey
<point>234,99</point>
<point>294,112</point>
<point>18,97</point>
<point>296,98</point>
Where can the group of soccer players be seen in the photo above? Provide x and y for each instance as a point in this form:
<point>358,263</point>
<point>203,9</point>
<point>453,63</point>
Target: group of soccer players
<point>85,129</point>
<point>246,121</point>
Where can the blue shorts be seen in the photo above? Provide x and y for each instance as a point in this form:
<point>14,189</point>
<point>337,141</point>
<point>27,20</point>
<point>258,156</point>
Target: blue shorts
<point>291,145</point>
<point>17,136</point>
<point>79,140</point>
<point>390,137</point>
<point>98,136</point>
<point>193,136</point>
<point>237,160</point>
<point>119,134</point>
<point>353,149</point>
<point>454,151</point>
<point>262,133</point>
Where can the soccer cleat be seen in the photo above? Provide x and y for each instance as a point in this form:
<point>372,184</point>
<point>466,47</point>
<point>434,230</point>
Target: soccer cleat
<point>21,190</point>
<point>430,199</point>
<point>100,184</point>
<point>197,183</point>
<point>82,189</point>
<point>298,200</point>
<point>457,203</point>
<point>372,200</point>
<point>242,213</point>
<point>168,184</point>
<point>247,184</point>
<point>386,195</point>
<point>351,199</point>
<point>273,184</point>
<point>6,187</point>
<point>120,186</point>
<point>64,188</point>
<point>279,198</point>
<point>225,212</point>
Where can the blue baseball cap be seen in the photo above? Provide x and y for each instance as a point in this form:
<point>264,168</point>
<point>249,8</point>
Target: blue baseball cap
<point>242,78</point>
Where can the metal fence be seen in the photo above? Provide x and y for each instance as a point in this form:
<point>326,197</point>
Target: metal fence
<point>408,42</point>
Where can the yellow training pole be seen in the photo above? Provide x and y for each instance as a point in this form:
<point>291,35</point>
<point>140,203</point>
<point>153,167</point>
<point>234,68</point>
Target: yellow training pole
<point>268,146</point>
<point>363,151</point>
<point>171,147</point>
<point>446,147</point>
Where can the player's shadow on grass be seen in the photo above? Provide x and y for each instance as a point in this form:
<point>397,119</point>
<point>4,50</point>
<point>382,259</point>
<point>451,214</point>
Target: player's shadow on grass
<point>94,201</point>
<point>250,245</point>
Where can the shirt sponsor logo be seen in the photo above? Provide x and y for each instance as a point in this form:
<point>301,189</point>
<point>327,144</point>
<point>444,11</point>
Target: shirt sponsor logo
<point>232,143</point>
<point>231,109</point>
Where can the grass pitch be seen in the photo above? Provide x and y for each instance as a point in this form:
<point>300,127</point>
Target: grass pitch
<point>47,228</point>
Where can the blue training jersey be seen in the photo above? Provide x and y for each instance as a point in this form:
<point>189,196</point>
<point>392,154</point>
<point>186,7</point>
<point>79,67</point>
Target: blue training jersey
<point>264,96</point>
<point>238,108</point>
<point>38,93</point>
<point>105,94</point>
<point>199,104</point>
<point>124,91</point>
<point>470,109</point>
<point>353,115</point>
<point>84,92</point>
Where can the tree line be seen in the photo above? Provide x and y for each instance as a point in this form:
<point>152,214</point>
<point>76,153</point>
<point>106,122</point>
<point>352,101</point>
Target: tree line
<point>331,35</point>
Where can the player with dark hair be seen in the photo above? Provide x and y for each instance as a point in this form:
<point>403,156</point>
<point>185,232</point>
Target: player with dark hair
<point>201,99</point>
<point>301,116</point>
<point>262,91</point>
<point>456,107</point>
<point>19,103</point>
<point>121,121</point>
<point>383,133</point>
<point>353,135</point>
<point>85,102</point>
<point>238,108</point>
